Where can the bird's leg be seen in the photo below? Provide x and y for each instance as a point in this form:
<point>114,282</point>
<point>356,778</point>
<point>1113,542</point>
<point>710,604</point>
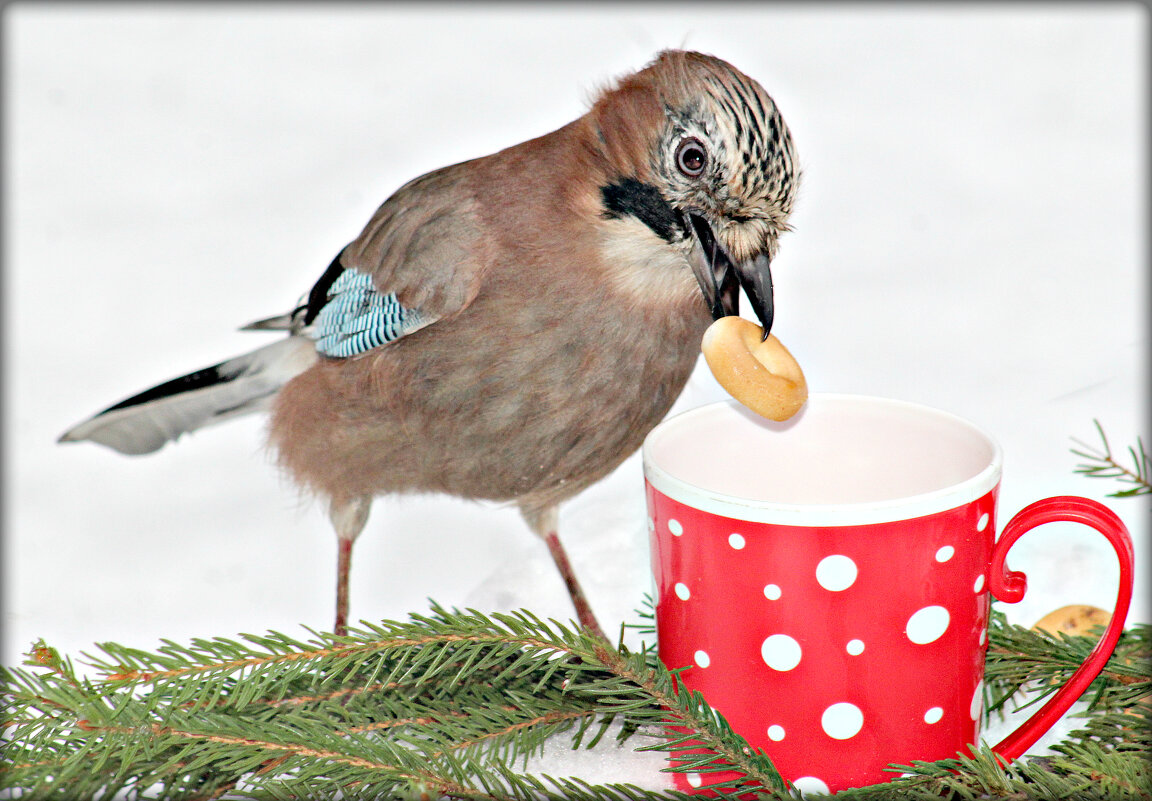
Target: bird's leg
<point>544,523</point>
<point>348,517</point>
<point>579,601</point>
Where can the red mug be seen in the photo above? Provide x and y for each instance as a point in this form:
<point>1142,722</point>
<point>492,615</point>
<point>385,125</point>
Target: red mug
<point>801,567</point>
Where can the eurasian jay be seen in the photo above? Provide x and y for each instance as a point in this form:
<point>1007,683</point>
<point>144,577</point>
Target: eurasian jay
<point>510,328</point>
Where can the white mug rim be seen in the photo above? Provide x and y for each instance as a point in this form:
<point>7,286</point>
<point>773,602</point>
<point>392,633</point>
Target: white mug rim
<point>831,514</point>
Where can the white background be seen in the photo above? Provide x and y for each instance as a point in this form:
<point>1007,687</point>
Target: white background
<point>971,234</point>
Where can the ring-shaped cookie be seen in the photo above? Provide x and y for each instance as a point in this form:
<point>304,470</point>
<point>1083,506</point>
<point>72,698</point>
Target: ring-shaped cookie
<point>762,375</point>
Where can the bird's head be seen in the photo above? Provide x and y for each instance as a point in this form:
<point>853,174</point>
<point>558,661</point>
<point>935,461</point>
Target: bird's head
<point>699,153</point>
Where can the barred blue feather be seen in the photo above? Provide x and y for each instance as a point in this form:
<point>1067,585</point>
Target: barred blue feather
<point>358,318</point>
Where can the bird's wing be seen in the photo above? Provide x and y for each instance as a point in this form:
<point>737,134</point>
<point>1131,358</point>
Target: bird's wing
<point>356,317</point>
<point>416,262</point>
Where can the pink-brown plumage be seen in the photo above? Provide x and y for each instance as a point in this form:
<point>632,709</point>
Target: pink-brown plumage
<point>558,292</point>
<point>546,380</point>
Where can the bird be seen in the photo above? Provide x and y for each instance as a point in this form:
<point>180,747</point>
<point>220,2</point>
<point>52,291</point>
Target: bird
<point>510,327</point>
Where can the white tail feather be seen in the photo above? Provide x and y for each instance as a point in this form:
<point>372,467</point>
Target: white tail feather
<point>243,385</point>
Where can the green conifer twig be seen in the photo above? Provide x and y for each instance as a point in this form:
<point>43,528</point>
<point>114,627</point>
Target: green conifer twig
<point>446,705</point>
<point>449,704</point>
<point>1039,662</point>
<point>442,705</point>
<point>1101,463</point>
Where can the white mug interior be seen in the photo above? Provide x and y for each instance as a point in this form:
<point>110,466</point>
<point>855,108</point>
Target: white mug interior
<point>843,460</point>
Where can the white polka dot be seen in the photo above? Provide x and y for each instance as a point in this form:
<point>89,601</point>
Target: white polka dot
<point>682,591</point>
<point>675,527</point>
<point>983,635</point>
<point>836,572</point>
<point>771,592</point>
<point>977,701</point>
<point>775,733</point>
<point>983,524</point>
<point>694,779</point>
<point>855,647</point>
<point>979,585</point>
<point>945,553</point>
<point>810,784</point>
<point>651,524</point>
<point>736,541</point>
<point>927,624</point>
<point>842,721</point>
<point>702,659</point>
<point>780,652</point>
<point>934,714</point>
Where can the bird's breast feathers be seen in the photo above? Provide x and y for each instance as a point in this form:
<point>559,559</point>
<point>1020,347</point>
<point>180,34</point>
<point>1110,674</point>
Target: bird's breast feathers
<point>645,270</point>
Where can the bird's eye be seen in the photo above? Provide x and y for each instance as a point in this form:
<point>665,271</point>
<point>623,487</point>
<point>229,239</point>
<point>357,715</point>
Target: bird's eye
<point>690,157</point>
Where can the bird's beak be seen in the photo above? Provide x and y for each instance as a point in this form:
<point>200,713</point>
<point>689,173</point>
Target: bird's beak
<point>720,278</point>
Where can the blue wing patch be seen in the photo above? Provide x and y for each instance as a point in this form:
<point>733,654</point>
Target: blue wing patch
<point>358,318</point>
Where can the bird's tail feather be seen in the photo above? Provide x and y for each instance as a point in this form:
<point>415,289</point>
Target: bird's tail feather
<point>146,421</point>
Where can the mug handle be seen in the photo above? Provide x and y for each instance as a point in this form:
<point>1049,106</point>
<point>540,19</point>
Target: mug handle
<point>1009,586</point>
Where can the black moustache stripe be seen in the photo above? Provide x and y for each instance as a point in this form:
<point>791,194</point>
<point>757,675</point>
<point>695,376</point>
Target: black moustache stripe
<point>642,201</point>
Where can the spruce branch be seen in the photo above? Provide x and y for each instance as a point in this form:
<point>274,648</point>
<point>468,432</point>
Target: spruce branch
<point>1039,662</point>
<point>445,705</point>
<point>1101,463</point>
<point>1105,761</point>
<point>452,704</point>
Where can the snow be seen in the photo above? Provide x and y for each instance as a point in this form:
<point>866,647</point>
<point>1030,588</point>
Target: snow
<point>970,235</point>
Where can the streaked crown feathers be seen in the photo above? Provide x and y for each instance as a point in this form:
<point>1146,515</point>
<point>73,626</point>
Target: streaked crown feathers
<point>750,179</point>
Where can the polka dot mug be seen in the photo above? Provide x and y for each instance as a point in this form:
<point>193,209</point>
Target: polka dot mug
<point>826,580</point>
